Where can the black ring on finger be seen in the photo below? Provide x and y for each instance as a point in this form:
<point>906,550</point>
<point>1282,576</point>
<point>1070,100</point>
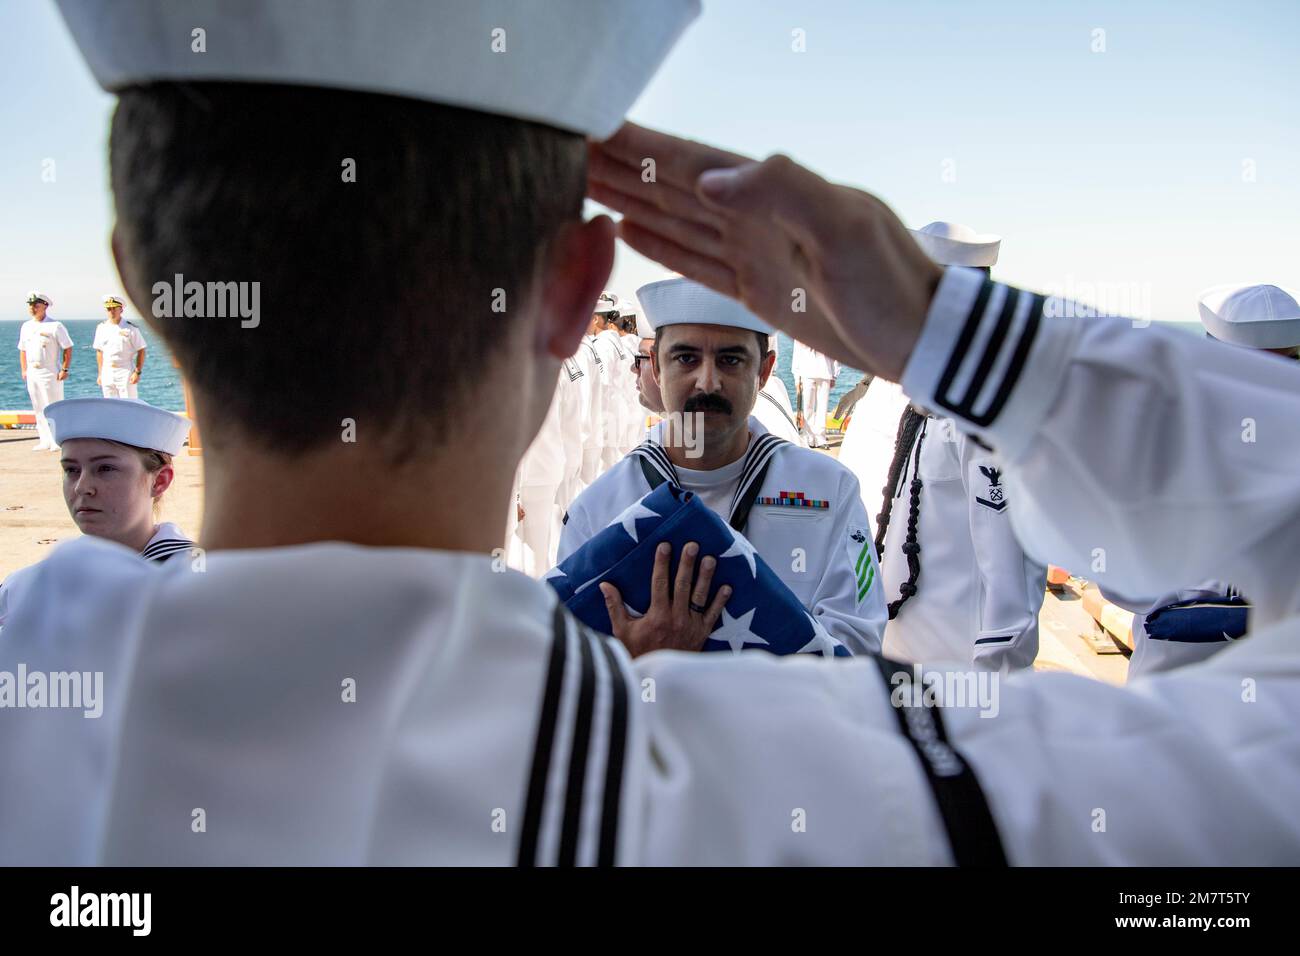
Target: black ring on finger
<point>697,608</point>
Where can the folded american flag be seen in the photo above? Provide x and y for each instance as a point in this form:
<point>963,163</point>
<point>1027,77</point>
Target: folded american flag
<point>762,613</point>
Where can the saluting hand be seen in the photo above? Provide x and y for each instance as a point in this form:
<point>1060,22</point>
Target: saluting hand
<point>762,231</point>
<point>681,621</point>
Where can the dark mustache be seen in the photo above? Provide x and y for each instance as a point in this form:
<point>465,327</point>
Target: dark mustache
<point>710,402</point>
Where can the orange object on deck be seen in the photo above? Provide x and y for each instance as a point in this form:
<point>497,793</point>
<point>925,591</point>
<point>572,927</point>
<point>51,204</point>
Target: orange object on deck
<point>196,444</point>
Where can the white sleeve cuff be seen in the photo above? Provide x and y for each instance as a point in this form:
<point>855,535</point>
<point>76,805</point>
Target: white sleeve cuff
<point>991,356</point>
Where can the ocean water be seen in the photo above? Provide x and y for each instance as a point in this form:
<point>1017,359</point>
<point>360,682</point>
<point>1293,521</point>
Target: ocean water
<point>848,377</point>
<point>159,385</point>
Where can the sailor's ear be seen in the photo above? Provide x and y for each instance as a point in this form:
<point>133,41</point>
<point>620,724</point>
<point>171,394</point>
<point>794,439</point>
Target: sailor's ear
<point>765,368</point>
<point>162,480</point>
<point>577,266</point>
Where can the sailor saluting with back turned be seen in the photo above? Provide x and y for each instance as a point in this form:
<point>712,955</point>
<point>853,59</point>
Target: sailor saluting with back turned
<point>479,722</point>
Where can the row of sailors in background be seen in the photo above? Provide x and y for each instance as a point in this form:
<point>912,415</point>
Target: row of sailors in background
<point>954,582</point>
<point>45,356</point>
<point>117,465</point>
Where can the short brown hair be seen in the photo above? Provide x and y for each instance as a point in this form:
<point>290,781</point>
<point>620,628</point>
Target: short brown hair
<point>376,295</point>
<point>152,460</point>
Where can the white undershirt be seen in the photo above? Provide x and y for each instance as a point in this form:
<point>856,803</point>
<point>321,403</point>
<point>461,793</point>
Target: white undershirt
<point>715,487</point>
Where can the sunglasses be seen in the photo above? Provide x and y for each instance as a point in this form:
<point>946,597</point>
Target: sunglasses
<point>638,359</point>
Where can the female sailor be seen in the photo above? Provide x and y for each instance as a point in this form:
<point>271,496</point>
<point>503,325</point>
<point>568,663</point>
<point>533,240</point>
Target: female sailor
<point>117,464</point>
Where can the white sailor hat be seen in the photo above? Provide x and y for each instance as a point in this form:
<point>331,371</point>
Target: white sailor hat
<point>126,420</point>
<point>644,330</point>
<point>113,300</point>
<point>628,306</point>
<point>606,304</point>
<point>571,64</point>
<point>684,302</point>
<point>35,296</point>
<point>1256,316</point>
<point>952,244</point>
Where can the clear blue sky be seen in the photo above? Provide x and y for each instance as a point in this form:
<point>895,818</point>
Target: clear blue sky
<point>1123,168</point>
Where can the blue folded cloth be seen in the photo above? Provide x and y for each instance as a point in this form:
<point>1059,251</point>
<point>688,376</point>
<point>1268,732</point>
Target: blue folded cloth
<point>762,612</point>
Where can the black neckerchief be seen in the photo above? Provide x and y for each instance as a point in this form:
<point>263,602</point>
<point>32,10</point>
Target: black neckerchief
<point>657,468</point>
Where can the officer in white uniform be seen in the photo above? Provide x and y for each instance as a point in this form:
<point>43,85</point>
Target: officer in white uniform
<point>105,445</point>
<point>44,356</point>
<point>799,509</point>
<point>959,585</point>
<point>1191,624</point>
<point>487,727</point>
<point>121,348</point>
<point>814,375</point>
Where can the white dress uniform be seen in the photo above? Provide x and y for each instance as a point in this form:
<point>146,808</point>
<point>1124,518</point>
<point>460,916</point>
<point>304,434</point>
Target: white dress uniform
<point>542,471</point>
<point>572,393</point>
<point>43,343</point>
<point>119,344</point>
<point>334,704</point>
<point>823,553</point>
<point>288,773</point>
<point>635,426</point>
<point>168,542</point>
<point>815,374</point>
<point>868,447</point>
<point>772,409</point>
<point>1247,316</point>
<point>620,394</point>
<point>799,509</point>
<point>594,409</point>
<point>977,593</point>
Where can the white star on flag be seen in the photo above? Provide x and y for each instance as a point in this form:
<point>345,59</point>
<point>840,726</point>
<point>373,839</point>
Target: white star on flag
<point>628,519</point>
<point>821,641</point>
<point>735,631</point>
<point>741,548</point>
